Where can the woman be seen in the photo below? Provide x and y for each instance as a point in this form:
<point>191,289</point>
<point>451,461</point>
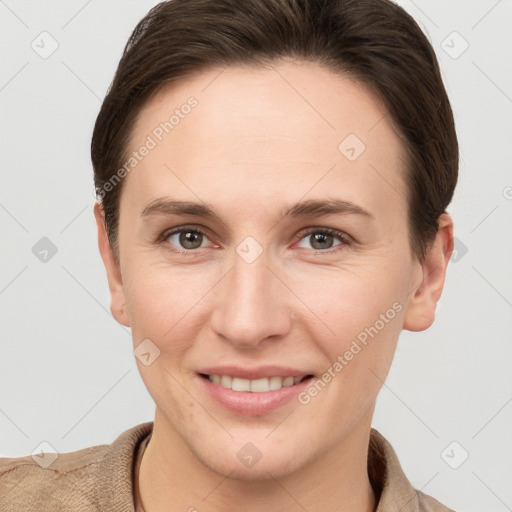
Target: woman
<point>272,181</point>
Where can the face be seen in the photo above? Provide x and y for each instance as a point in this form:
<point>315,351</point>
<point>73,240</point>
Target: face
<point>264,247</point>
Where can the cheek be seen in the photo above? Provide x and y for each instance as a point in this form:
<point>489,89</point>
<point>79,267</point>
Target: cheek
<point>164,305</point>
<point>161,302</point>
<point>359,316</point>
<point>349,300</point>
<point>366,320</point>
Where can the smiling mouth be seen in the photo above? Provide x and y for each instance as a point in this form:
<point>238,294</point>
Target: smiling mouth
<point>262,385</point>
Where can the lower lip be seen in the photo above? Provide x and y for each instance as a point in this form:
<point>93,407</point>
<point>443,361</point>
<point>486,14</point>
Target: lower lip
<point>253,404</point>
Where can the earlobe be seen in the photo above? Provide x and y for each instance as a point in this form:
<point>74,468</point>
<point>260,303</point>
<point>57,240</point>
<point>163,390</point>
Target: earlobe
<point>421,309</point>
<point>112,268</point>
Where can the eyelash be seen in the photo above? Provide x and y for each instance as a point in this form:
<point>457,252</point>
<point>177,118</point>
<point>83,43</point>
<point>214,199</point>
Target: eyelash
<point>342,237</point>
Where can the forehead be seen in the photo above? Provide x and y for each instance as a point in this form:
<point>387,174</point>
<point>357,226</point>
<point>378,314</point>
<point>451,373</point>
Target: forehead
<point>267,132</point>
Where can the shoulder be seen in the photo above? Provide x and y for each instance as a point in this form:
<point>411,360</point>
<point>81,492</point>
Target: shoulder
<point>428,504</point>
<point>68,481</point>
<point>29,483</point>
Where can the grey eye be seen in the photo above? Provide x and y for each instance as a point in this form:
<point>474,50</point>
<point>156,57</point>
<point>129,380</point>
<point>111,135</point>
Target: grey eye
<point>319,240</point>
<point>187,239</point>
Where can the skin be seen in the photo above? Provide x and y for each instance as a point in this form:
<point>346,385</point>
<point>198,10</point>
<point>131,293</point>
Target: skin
<point>252,147</point>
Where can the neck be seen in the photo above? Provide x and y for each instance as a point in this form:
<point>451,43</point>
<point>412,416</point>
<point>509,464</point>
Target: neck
<point>336,480</point>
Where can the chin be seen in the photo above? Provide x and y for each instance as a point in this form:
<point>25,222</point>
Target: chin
<point>261,471</point>
<point>248,461</point>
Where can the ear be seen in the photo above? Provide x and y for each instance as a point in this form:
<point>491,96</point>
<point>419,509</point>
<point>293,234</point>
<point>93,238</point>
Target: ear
<point>113,269</point>
<point>421,308</point>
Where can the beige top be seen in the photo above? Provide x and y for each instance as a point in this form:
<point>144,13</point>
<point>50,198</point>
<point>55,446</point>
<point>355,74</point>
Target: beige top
<point>102,478</point>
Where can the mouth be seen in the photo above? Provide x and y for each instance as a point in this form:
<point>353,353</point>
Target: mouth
<point>253,392</point>
<point>261,385</point>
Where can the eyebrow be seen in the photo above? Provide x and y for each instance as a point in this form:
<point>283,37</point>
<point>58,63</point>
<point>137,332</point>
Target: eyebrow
<point>312,207</point>
<point>308,208</point>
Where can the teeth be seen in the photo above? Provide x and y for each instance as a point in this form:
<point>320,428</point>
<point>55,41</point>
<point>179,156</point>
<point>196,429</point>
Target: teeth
<point>259,385</point>
<point>288,381</point>
<point>241,384</point>
<point>256,385</point>
<point>275,383</point>
<point>226,381</point>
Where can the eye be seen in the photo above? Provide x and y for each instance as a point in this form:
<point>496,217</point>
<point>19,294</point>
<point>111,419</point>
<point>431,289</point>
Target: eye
<point>323,239</point>
<point>189,239</point>
<point>186,238</point>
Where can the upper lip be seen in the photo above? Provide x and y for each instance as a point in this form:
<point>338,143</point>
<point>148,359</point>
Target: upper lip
<point>259,372</point>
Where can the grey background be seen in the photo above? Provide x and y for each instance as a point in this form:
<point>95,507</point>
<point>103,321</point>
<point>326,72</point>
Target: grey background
<point>67,372</point>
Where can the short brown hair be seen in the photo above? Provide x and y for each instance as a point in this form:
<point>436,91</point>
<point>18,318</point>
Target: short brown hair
<point>374,41</point>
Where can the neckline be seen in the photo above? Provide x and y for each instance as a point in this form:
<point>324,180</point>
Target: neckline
<point>386,475</point>
<point>137,501</point>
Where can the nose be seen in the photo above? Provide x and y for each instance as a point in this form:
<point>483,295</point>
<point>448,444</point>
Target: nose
<point>251,305</point>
